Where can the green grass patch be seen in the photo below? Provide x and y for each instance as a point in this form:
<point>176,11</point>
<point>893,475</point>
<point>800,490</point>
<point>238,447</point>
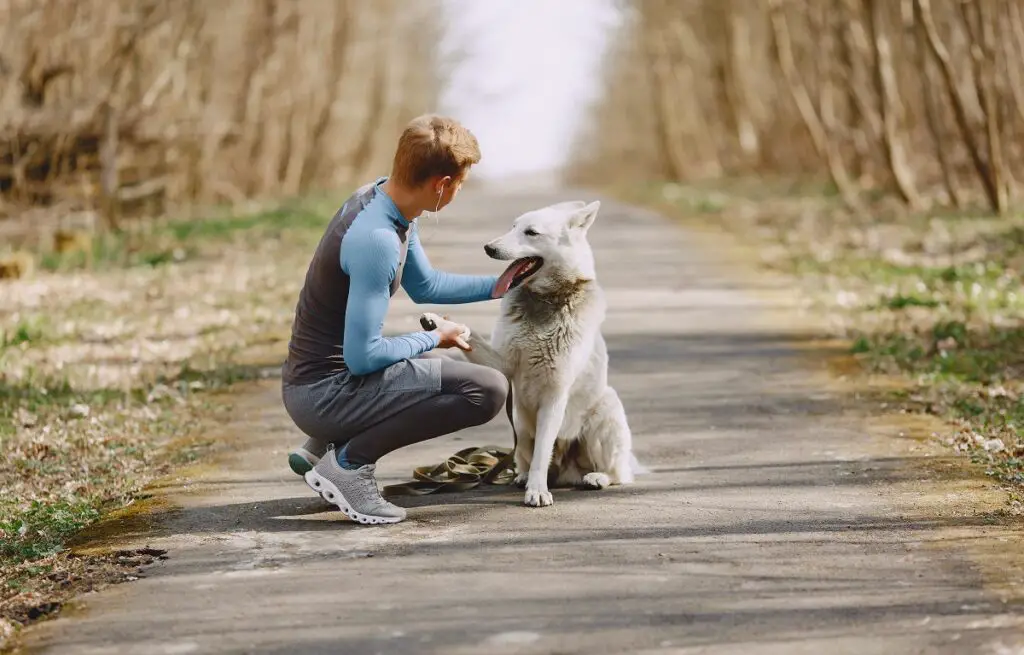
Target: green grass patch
<point>119,250</point>
<point>969,376</point>
<point>27,330</point>
<point>158,244</point>
<point>271,224</point>
<point>54,395</point>
<point>96,457</point>
<point>949,350</point>
<point>220,376</point>
<point>901,301</point>
<point>42,528</point>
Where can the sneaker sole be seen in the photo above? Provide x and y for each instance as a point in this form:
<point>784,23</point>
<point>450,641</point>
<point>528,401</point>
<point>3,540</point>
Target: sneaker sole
<point>329,492</point>
<point>299,464</point>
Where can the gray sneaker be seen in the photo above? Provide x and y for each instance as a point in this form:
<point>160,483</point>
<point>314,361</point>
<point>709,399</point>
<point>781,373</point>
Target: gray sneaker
<point>354,492</point>
<point>305,457</point>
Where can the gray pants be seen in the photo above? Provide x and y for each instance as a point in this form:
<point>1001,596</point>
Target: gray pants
<point>405,403</point>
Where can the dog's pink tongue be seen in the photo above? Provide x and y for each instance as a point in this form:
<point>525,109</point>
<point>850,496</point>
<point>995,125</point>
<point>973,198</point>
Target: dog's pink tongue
<point>505,281</point>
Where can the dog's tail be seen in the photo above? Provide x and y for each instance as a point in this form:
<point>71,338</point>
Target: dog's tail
<point>636,466</point>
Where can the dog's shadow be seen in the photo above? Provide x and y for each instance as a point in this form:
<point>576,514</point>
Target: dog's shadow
<point>495,494</point>
<point>484,494</point>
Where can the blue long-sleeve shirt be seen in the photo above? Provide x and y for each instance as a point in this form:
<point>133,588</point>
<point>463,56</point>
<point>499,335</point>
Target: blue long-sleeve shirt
<point>369,256</point>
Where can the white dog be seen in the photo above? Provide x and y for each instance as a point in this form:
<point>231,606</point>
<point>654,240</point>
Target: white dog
<point>570,424</point>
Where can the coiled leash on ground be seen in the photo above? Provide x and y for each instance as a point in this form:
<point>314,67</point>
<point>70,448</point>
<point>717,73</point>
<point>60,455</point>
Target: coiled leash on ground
<point>466,469</point>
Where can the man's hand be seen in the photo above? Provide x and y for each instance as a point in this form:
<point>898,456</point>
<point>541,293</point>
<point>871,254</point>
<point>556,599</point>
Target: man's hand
<point>450,334</point>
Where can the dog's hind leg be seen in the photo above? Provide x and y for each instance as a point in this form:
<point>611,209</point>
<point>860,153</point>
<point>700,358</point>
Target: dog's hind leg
<point>570,474</point>
<point>590,464</point>
<point>568,465</point>
<point>573,465</point>
<point>609,443</point>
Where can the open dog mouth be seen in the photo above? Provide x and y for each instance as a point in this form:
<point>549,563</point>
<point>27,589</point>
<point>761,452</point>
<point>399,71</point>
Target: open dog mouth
<point>518,272</point>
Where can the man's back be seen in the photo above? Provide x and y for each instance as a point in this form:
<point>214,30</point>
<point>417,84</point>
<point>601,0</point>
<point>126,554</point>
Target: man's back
<point>316,346</point>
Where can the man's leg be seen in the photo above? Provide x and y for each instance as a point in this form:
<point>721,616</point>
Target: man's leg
<point>306,456</point>
<point>335,409</point>
<point>468,395</point>
<point>301,404</point>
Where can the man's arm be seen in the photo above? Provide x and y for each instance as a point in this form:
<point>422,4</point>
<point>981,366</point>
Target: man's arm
<point>371,265</point>
<point>426,285</point>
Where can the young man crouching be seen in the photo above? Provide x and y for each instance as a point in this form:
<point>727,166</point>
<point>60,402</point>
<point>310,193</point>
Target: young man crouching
<point>356,394</point>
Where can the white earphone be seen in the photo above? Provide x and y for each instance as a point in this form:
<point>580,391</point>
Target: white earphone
<point>437,206</point>
<point>439,192</point>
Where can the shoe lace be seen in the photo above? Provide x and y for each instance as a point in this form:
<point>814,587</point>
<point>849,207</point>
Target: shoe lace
<point>368,487</point>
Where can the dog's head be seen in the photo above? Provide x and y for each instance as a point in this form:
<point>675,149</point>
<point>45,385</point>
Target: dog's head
<point>546,244</point>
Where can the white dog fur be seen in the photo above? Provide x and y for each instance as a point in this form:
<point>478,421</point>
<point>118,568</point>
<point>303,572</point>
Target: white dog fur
<point>571,425</point>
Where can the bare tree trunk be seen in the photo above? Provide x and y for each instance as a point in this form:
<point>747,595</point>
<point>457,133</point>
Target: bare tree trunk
<point>983,54</point>
<point>277,108</point>
<point>374,116</point>
<point>659,105</point>
<point>1012,89</point>
<point>928,81</point>
<point>861,73</point>
<point>889,102</point>
<point>261,27</point>
<point>659,65</point>
<point>340,49</point>
<point>683,79</point>
<point>1015,55</point>
<point>825,147</point>
<point>856,120</point>
<point>737,84</point>
<point>255,126</point>
<point>941,54</point>
<point>110,207</point>
<point>820,17</point>
<point>300,123</point>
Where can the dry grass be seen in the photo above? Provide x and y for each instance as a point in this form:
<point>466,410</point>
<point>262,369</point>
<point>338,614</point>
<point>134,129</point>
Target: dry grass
<point>107,376</point>
<point>114,113</point>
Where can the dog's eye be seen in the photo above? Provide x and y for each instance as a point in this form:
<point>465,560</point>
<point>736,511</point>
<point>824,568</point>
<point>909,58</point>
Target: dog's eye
<point>530,232</point>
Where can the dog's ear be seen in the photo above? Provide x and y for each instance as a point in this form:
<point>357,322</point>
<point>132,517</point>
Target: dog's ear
<point>568,204</point>
<point>584,217</point>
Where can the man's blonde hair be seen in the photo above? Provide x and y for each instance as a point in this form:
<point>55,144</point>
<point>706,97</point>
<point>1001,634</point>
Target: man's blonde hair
<point>433,146</point>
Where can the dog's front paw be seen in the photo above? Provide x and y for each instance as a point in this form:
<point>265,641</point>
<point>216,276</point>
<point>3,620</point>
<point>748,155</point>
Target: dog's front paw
<point>596,480</point>
<point>538,498</point>
<point>521,480</point>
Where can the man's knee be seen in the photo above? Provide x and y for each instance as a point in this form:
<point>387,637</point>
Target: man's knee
<point>490,393</point>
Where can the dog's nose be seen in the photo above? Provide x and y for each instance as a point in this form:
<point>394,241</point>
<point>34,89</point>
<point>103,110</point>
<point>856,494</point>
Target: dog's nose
<point>490,250</point>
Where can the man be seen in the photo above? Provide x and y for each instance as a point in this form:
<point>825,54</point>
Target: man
<point>359,395</point>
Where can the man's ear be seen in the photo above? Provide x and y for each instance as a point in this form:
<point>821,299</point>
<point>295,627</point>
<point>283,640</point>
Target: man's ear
<point>443,184</point>
<point>584,218</point>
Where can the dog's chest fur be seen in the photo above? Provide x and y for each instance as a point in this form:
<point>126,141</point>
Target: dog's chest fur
<point>543,328</point>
